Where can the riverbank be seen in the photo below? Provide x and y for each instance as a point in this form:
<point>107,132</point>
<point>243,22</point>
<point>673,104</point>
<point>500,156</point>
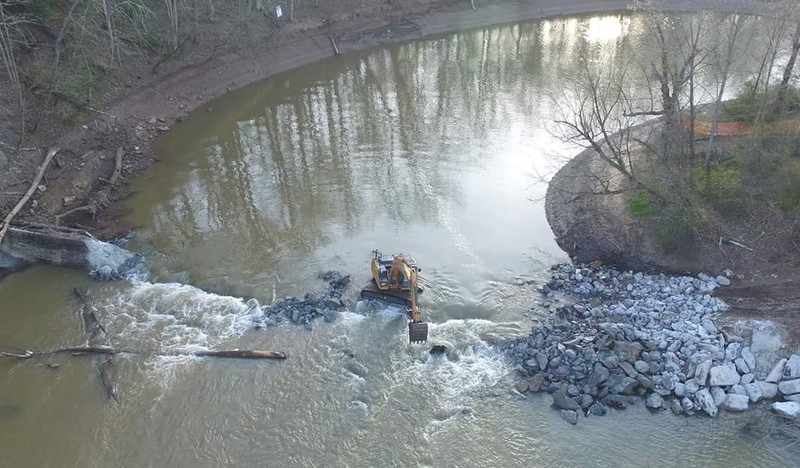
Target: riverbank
<point>616,337</point>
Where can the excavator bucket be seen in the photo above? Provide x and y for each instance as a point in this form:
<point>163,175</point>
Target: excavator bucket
<point>417,332</point>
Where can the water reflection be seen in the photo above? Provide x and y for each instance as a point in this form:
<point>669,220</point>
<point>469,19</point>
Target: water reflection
<point>432,146</point>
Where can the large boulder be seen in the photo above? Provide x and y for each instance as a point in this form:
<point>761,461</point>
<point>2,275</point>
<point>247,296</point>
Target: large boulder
<point>753,392</point>
<point>768,390</point>
<point>562,401</point>
<point>627,350</point>
<point>792,368</point>
<point>735,402</point>
<point>724,375</point>
<point>749,358</point>
<point>788,409</point>
<point>706,402</point>
<point>701,373</point>
<point>654,401</point>
<point>569,416</point>
<point>789,387</point>
<point>776,374</point>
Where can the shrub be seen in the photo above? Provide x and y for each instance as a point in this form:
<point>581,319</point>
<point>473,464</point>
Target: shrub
<point>641,204</point>
<point>720,185</point>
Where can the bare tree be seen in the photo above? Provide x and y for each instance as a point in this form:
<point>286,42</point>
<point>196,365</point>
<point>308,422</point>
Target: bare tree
<point>730,43</point>
<point>172,14</point>
<point>787,72</point>
<point>11,35</point>
<point>596,113</point>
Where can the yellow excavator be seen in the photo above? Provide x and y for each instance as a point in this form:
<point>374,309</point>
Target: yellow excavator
<point>395,281</point>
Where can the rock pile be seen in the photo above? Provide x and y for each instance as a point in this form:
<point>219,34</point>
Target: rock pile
<point>626,336</point>
<point>304,311</point>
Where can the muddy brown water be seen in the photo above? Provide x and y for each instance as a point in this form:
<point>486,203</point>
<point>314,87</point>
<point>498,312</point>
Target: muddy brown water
<point>435,148</point>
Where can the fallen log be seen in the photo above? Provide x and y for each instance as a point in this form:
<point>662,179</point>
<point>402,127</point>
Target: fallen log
<point>243,354</point>
<point>109,351</point>
<point>10,217</point>
<point>107,379</point>
<point>91,322</point>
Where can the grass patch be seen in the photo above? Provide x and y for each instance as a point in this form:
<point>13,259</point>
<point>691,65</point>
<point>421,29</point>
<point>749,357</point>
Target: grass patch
<point>720,185</point>
<point>747,106</point>
<point>641,204</point>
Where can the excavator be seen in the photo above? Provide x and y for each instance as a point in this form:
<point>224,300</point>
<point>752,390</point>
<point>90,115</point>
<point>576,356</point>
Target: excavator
<point>395,281</point>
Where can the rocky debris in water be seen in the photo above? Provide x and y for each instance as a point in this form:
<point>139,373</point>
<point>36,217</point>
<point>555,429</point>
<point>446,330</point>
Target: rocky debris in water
<point>304,311</point>
<point>789,409</point>
<point>624,336</point>
<point>569,416</point>
<point>110,262</point>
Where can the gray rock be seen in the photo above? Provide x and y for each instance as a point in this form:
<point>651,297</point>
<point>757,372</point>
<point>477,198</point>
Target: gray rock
<point>709,326</point>
<point>654,401</point>
<point>706,402</point>
<point>625,386</point>
<point>680,389</point>
<point>562,401</point>
<point>668,382</point>
<point>3,160</point>
<point>768,390</point>
<point>541,358</point>
<point>687,404</point>
<point>741,366</point>
<point>795,397</point>
<point>569,416</point>
<point>628,369</point>
<point>627,350</point>
<point>641,367</point>
<point>718,394</point>
<point>749,358</point>
<point>746,379</point>
<point>776,374</point>
<point>792,368</point>
<point>701,373</point>
<point>753,392</point>
<point>675,407</point>
<point>598,409</point>
<point>573,390</point>
<point>735,402</point>
<point>536,382</point>
<point>723,281</point>
<point>788,410</point>
<point>608,359</point>
<point>691,387</point>
<point>732,351</point>
<point>789,387</point>
<point>585,401</point>
<point>599,374</point>
<point>726,374</point>
<point>737,390</point>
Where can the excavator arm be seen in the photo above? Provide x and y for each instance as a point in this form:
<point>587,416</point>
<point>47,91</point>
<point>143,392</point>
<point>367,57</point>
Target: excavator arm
<point>402,276</point>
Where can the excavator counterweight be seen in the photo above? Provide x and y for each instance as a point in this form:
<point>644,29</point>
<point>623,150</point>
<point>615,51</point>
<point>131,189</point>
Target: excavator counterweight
<point>395,281</point>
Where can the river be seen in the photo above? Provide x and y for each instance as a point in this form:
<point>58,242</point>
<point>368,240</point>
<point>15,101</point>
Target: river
<point>439,148</point>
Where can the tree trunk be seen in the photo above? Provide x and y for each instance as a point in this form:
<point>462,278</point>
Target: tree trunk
<point>726,66</point>
<point>787,72</point>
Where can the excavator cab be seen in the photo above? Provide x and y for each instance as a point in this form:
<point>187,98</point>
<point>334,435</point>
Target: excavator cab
<point>395,281</point>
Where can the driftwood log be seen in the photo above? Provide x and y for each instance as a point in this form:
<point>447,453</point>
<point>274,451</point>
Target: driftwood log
<point>42,169</point>
<point>103,198</point>
<point>109,351</point>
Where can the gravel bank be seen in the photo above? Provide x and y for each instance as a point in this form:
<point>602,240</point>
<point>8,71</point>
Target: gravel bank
<point>623,337</point>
